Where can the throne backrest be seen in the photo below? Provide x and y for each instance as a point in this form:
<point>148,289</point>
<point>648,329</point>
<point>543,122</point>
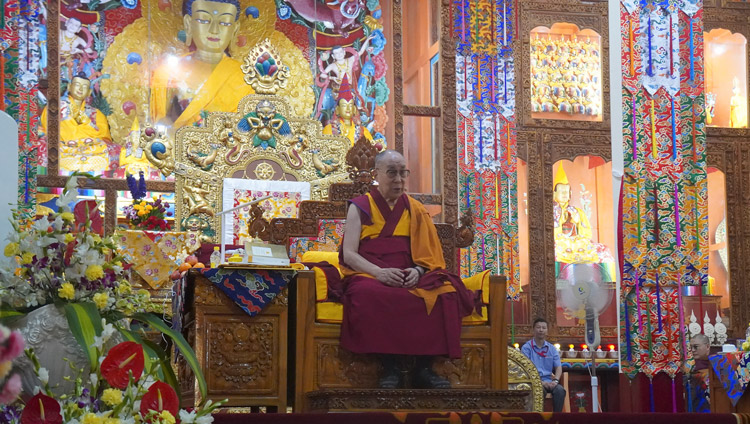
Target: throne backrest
<point>320,224</point>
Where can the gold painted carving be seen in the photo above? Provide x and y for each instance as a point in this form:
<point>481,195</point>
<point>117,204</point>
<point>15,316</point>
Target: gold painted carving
<point>265,81</point>
<point>263,140</point>
<point>523,375</point>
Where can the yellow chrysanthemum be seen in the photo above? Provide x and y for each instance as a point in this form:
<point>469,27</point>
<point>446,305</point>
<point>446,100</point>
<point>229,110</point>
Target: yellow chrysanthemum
<point>101,300</point>
<point>67,216</point>
<point>124,288</point>
<point>66,291</point>
<point>12,249</point>
<point>26,258</point>
<point>111,421</point>
<point>167,417</point>
<point>5,368</point>
<point>69,237</point>
<point>92,418</point>
<point>112,397</point>
<point>94,272</point>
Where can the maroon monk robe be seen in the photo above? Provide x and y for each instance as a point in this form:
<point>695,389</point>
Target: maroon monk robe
<point>394,320</point>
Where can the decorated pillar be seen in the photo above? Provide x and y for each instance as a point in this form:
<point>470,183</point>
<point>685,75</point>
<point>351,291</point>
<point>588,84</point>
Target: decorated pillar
<point>485,92</point>
<point>664,217</point>
<point>22,52</point>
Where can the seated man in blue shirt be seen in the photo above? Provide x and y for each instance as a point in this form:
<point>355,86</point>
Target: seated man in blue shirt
<point>547,361</point>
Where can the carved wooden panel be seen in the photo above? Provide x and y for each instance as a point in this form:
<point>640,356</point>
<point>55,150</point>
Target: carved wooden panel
<point>472,371</point>
<point>448,129</point>
<point>723,154</point>
<point>532,14</point>
<point>362,400</point>
<point>240,355</point>
<point>243,358</point>
<point>543,147</point>
<point>340,368</point>
<point>523,375</point>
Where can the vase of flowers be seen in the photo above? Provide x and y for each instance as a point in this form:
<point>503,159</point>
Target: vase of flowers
<point>145,214</point>
<point>59,269</point>
<point>123,388</point>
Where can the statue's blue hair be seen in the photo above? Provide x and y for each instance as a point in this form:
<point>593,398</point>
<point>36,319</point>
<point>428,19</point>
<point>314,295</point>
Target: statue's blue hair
<point>187,6</point>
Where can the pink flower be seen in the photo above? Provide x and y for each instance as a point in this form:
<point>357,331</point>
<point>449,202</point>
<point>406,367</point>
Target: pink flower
<point>381,66</point>
<point>12,388</point>
<point>12,347</point>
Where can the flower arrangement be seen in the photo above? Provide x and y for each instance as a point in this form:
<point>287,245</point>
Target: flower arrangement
<point>11,346</point>
<point>59,259</point>
<point>144,214</point>
<point>124,388</point>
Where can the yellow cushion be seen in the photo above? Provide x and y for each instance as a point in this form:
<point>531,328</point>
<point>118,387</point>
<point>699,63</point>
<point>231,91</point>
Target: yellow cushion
<point>480,281</point>
<point>333,312</point>
<point>321,282</point>
<point>330,312</point>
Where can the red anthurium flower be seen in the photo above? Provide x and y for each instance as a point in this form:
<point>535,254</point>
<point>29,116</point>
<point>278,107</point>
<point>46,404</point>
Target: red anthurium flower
<point>159,397</point>
<point>121,359</point>
<point>41,409</point>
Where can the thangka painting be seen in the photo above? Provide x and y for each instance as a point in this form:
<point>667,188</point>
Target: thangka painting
<point>126,65</point>
<point>283,201</point>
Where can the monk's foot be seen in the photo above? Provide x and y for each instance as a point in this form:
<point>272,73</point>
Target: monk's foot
<point>390,380</point>
<point>425,378</point>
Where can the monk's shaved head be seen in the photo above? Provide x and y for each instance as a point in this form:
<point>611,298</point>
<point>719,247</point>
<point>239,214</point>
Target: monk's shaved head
<point>381,157</point>
<point>390,173</point>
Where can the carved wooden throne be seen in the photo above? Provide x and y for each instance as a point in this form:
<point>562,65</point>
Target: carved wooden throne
<point>321,364</point>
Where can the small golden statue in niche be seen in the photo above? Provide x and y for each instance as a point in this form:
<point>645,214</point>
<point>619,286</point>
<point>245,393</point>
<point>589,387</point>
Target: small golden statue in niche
<point>84,131</point>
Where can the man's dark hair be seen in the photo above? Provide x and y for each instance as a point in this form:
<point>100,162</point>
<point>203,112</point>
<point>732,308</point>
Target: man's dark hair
<point>538,320</point>
<point>187,7</point>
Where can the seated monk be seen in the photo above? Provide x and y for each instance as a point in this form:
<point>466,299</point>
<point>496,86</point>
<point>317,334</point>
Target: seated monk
<point>398,298</point>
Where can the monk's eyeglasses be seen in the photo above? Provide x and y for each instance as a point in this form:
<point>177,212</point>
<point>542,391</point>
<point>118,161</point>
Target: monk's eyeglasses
<point>391,173</point>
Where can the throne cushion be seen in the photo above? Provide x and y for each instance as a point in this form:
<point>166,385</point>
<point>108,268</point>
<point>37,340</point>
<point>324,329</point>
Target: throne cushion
<point>328,311</point>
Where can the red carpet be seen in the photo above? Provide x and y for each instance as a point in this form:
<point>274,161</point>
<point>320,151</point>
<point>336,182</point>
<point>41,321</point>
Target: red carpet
<point>482,418</point>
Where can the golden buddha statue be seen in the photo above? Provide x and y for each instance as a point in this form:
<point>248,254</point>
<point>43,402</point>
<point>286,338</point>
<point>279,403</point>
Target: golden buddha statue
<point>344,120</point>
<point>572,228</point>
<point>737,111</point>
<point>207,79</point>
<point>84,131</point>
<point>181,83</point>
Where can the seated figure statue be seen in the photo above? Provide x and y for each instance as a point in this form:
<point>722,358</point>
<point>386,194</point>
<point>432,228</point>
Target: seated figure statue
<point>344,121</point>
<point>572,230</point>
<point>207,79</point>
<point>84,131</point>
<point>398,298</point>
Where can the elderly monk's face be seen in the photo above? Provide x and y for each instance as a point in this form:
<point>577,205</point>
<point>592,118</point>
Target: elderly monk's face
<point>212,25</point>
<point>391,175</point>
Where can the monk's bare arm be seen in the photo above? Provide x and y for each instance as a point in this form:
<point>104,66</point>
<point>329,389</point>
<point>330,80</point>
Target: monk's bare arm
<point>390,276</point>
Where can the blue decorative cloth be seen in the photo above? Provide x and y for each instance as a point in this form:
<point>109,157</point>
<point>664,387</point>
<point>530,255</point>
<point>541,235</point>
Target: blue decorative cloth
<point>250,289</point>
<point>732,370</point>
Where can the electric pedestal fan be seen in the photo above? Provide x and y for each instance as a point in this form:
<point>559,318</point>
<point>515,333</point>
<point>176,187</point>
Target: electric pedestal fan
<point>583,295</point>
